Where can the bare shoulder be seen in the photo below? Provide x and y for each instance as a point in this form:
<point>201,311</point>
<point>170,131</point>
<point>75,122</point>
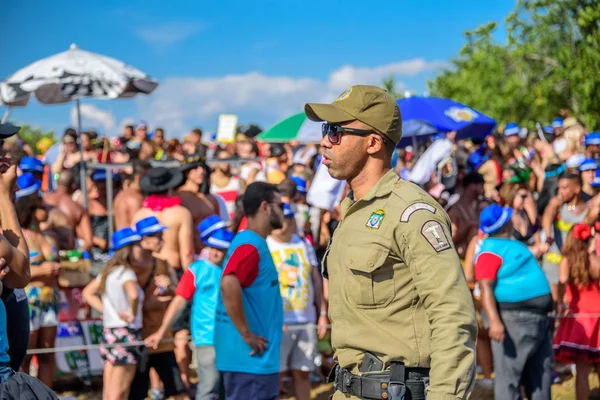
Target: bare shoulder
<point>142,213</point>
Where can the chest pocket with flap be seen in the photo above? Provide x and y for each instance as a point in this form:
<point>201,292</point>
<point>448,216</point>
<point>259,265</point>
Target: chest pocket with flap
<point>371,280</point>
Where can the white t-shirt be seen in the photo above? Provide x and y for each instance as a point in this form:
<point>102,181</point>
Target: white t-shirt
<point>115,300</point>
<point>294,262</point>
<point>248,167</point>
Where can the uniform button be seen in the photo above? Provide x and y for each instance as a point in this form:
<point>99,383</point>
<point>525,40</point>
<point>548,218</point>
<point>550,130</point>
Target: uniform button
<point>384,396</point>
<point>371,263</point>
<point>384,386</point>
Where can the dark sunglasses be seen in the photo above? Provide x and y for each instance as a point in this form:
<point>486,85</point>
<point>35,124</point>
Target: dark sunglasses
<point>280,205</point>
<point>334,132</point>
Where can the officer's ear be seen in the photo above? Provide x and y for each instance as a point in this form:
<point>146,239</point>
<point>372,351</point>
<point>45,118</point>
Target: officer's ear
<point>376,144</point>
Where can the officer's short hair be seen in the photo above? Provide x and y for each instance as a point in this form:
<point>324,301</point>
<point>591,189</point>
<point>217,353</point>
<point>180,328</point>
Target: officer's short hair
<point>255,194</point>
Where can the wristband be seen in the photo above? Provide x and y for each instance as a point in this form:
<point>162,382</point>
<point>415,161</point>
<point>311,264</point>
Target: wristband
<point>323,313</point>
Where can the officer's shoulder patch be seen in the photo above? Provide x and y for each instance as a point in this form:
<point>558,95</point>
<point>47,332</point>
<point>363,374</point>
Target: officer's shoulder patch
<point>410,210</point>
<point>375,219</point>
<point>435,235</point>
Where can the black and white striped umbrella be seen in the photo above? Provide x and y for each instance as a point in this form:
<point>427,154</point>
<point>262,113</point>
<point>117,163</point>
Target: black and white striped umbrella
<point>70,76</point>
<point>74,74</point>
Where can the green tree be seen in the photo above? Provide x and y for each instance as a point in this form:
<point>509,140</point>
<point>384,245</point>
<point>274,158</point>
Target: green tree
<point>389,84</point>
<point>33,136</point>
<point>549,62</point>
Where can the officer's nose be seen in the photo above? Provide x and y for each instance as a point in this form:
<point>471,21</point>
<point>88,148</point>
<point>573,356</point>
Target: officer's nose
<point>325,142</point>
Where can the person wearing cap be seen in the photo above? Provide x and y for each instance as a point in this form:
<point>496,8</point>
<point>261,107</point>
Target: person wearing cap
<point>159,186</point>
<point>32,165</point>
<point>153,274</point>
<point>557,125</point>
<point>249,320</point>
<point>587,170</point>
<point>517,300</point>
<point>200,286</point>
<point>562,212</point>
<point>593,205</point>
<point>393,273</point>
<point>195,192</point>
<point>300,206</point>
<point>141,131</point>
<point>511,133</point>
<point>14,253</point>
<point>117,295</point>
<point>592,145</point>
<point>301,292</point>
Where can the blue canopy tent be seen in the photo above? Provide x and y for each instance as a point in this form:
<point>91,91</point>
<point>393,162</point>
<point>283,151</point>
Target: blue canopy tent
<point>424,116</point>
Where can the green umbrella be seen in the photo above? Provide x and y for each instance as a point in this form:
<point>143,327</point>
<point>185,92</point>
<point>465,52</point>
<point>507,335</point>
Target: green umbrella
<point>296,127</point>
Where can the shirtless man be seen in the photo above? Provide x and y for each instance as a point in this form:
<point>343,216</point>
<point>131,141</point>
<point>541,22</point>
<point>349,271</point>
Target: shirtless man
<point>178,238</point>
<point>464,215</point>
<point>129,200</point>
<point>194,193</point>
<point>178,249</point>
<point>76,214</point>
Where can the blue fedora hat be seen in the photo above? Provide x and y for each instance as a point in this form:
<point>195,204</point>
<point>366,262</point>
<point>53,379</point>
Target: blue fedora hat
<point>124,237</point>
<point>27,185</point>
<point>589,164</point>
<point>557,123</point>
<point>592,138</point>
<point>148,226</point>
<point>511,129</point>
<point>219,239</point>
<point>596,182</point>
<point>300,184</point>
<point>210,224</point>
<point>494,217</point>
<point>287,211</point>
<point>31,164</point>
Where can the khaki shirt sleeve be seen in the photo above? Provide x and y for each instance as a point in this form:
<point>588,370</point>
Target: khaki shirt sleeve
<point>424,242</point>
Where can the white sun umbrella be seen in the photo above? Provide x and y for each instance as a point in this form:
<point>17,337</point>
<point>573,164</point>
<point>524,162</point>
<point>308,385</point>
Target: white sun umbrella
<point>72,75</point>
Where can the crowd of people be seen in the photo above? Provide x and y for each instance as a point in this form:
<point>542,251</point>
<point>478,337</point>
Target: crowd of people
<point>194,243</point>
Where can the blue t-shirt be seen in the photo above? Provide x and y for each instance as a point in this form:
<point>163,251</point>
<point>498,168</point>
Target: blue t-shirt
<point>264,313</point>
<point>207,289</point>
<point>520,277</point>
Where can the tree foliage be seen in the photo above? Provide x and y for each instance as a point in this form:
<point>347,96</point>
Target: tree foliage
<point>33,136</point>
<point>550,61</point>
<point>389,84</point>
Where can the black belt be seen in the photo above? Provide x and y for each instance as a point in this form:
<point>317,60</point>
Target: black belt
<point>401,383</point>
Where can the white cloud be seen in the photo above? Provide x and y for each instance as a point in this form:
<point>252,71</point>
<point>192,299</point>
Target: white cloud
<point>349,75</point>
<point>127,121</point>
<point>179,103</point>
<point>168,34</point>
<point>92,116</point>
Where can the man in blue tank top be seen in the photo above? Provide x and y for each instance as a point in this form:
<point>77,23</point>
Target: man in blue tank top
<point>516,298</point>
<point>249,321</point>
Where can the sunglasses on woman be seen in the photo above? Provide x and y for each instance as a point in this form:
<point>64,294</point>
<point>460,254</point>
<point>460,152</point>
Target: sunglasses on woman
<point>334,132</point>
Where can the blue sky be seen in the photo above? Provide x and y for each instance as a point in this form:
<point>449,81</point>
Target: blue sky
<point>261,60</point>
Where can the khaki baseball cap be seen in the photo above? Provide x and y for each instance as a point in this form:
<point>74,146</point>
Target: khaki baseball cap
<point>371,105</point>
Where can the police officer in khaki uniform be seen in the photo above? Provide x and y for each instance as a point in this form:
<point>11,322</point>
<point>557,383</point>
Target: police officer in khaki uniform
<point>403,322</point>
